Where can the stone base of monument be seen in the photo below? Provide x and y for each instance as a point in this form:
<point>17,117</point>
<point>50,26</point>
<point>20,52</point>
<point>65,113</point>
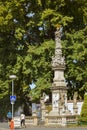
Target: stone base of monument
<point>56,113</point>
<point>62,118</point>
<point>60,121</point>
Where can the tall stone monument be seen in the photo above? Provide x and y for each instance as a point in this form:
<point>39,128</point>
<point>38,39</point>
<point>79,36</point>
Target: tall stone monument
<point>59,89</point>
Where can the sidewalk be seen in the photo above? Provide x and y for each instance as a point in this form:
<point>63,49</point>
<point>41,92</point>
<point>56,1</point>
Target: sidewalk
<point>4,126</point>
<point>4,129</point>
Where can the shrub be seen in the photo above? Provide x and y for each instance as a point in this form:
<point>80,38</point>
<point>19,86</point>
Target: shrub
<point>83,115</point>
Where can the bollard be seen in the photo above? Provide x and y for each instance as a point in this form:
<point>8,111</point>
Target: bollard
<point>12,124</point>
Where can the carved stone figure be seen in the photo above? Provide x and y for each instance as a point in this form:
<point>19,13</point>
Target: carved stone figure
<point>58,38</point>
<point>75,98</point>
<point>58,60</point>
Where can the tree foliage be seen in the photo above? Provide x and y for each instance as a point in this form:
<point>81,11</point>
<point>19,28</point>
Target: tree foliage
<point>76,48</point>
<point>27,44</point>
<point>83,115</point>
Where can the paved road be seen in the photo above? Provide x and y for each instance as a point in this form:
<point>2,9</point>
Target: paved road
<point>4,126</point>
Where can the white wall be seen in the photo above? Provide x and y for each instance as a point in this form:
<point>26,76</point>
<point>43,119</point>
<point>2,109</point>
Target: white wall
<point>70,107</point>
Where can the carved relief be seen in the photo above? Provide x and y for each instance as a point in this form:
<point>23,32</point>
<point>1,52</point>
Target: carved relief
<point>57,61</point>
<point>58,52</point>
<point>55,100</point>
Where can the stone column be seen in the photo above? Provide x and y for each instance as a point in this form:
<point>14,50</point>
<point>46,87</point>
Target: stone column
<point>42,108</point>
<point>75,107</point>
<point>35,118</point>
<point>64,121</point>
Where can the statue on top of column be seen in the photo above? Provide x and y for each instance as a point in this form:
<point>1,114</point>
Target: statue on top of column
<point>58,60</point>
<point>58,34</point>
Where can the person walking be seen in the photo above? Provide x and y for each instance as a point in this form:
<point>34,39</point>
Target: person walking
<point>22,117</point>
<point>9,116</point>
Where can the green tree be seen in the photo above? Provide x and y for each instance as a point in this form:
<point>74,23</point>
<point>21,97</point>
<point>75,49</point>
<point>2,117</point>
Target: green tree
<point>27,44</point>
<point>75,52</point>
<point>83,115</point>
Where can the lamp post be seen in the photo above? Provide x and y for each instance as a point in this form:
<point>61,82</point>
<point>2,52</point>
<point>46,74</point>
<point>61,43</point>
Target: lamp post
<point>12,77</point>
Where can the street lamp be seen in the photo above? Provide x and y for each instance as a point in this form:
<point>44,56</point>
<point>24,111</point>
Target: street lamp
<point>12,102</point>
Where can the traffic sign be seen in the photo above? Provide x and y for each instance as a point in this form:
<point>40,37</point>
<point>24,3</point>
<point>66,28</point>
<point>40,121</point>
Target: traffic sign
<point>13,98</point>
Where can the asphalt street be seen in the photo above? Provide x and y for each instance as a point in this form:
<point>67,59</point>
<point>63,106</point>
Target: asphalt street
<point>4,126</point>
